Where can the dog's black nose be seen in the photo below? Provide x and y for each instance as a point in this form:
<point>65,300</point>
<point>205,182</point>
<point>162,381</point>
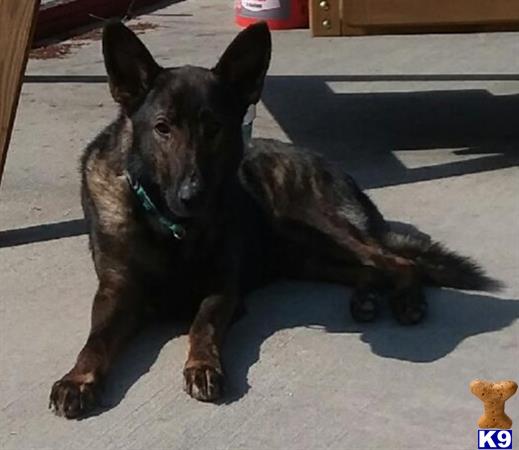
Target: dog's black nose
<point>189,190</point>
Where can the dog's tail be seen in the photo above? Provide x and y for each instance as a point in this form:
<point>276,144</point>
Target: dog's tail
<point>441,266</point>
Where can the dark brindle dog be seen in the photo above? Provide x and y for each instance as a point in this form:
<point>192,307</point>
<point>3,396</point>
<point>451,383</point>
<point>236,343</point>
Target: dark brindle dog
<point>182,221</point>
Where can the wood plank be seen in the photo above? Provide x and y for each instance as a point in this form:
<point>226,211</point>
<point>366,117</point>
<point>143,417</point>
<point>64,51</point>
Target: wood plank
<point>377,13</point>
<point>17,23</point>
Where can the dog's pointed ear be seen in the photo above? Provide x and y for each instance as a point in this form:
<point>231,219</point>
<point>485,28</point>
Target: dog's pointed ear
<point>131,68</point>
<point>245,62</point>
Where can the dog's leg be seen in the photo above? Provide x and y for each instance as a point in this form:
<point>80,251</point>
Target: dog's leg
<point>203,375</point>
<point>115,317</point>
<point>369,284</point>
<point>300,190</point>
<point>407,301</point>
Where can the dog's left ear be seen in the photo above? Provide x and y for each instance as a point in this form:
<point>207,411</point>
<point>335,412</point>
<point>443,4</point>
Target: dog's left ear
<point>131,68</point>
<point>245,62</point>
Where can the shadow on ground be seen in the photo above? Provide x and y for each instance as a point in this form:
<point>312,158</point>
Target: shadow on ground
<point>136,361</point>
<point>42,233</point>
<point>453,317</point>
<point>363,129</point>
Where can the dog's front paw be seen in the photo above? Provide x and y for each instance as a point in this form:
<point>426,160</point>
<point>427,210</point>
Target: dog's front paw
<point>72,398</point>
<point>203,381</point>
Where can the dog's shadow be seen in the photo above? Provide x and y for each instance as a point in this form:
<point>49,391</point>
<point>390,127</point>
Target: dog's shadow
<point>453,317</point>
<point>136,361</point>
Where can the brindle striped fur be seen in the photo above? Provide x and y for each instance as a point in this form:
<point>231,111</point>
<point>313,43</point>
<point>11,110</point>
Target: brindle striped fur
<point>273,212</point>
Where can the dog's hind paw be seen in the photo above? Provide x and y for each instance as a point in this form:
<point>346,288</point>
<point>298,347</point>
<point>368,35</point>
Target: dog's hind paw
<point>409,307</point>
<point>364,305</point>
<point>203,382</point>
<point>72,399</point>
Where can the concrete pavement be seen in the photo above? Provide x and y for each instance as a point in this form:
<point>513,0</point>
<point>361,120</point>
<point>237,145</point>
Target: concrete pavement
<point>435,145</point>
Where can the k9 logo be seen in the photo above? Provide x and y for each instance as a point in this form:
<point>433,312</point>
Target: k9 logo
<point>494,439</point>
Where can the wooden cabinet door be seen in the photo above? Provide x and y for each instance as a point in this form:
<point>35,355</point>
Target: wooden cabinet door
<point>384,13</point>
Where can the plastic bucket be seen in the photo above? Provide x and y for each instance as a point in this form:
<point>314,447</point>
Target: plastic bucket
<point>279,14</point>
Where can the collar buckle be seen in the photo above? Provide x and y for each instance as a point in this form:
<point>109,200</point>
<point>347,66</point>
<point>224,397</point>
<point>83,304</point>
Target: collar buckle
<point>179,232</point>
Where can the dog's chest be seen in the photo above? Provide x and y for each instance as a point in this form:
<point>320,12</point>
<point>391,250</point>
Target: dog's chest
<point>179,271</point>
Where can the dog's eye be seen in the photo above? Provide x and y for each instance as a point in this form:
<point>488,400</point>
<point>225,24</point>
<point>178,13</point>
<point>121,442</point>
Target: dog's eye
<point>163,128</point>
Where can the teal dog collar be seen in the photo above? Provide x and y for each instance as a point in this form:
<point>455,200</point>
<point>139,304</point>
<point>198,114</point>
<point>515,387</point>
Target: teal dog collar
<point>178,231</point>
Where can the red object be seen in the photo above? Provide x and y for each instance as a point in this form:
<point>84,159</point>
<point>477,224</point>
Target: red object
<point>279,14</point>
